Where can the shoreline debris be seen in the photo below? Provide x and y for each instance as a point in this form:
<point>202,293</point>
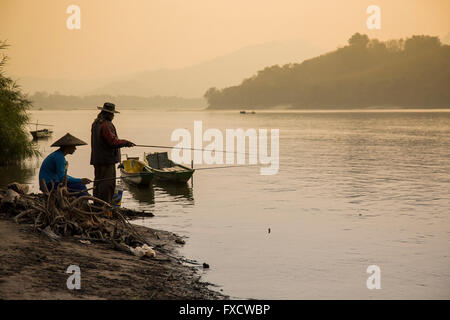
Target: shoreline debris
<point>59,213</point>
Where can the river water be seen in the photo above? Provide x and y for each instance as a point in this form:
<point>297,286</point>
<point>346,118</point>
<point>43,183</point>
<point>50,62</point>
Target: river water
<point>354,189</point>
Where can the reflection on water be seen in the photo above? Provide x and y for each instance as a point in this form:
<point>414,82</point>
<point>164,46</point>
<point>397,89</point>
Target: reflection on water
<point>180,192</point>
<point>36,140</point>
<point>176,190</point>
<point>353,189</point>
<point>145,195</point>
<point>21,173</point>
<point>27,171</point>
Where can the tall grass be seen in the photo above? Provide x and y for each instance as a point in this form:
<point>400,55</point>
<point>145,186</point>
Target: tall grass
<point>15,144</point>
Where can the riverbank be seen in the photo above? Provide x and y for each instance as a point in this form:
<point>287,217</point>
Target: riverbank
<point>34,267</point>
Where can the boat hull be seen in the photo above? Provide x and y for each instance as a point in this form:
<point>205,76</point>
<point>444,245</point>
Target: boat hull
<point>38,134</point>
<point>180,177</point>
<point>143,179</point>
<point>166,170</point>
<point>136,172</point>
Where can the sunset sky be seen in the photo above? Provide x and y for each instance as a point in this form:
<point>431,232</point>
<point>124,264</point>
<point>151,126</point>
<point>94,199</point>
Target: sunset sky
<point>120,37</point>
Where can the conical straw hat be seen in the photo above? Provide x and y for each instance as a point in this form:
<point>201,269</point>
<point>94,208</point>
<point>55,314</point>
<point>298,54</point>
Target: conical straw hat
<point>68,140</point>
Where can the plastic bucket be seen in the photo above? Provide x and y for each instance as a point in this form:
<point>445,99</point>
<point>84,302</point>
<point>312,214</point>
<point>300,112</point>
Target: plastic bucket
<point>117,198</point>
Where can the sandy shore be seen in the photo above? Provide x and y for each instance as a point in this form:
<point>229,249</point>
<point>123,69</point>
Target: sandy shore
<point>34,267</point>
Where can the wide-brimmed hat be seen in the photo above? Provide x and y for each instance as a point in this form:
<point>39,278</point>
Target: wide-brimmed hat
<point>68,140</point>
<point>108,107</point>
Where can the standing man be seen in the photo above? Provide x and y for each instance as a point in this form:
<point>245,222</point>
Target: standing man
<point>105,152</point>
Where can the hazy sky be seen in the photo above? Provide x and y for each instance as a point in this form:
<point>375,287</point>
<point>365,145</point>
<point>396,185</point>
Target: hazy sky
<point>124,36</point>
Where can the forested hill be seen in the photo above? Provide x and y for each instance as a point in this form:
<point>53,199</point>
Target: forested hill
<point>411,73</point>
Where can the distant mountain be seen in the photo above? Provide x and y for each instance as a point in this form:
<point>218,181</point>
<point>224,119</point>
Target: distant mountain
<point>227,70</point>
<point>366,73</point>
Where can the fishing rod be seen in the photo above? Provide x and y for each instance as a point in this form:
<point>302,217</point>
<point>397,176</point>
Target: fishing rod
<point>116,178</point>
<point>142,174</point>
<point>193,149</point>
<point>246,165</point>
<point>105,179</point>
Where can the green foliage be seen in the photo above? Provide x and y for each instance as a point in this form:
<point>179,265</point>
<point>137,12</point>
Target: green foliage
<point>366,73</point>
<point>15,144</point>
<point>359,40</point>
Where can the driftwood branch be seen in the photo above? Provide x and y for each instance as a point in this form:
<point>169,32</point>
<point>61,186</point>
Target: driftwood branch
<point>58,213</point>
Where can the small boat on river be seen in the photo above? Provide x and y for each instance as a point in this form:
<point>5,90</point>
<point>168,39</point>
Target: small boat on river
<point>165,169</point>
<point>39,134</point>
<point>136,172</point>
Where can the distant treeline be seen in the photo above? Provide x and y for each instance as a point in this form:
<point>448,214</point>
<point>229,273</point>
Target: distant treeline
<point>411,73</point>
<point>45,100</point>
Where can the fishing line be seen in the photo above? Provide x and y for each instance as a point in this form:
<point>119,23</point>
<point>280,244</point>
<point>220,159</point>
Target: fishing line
<point>192,149</point>
<point>246,165</point>
<point>116,178</point>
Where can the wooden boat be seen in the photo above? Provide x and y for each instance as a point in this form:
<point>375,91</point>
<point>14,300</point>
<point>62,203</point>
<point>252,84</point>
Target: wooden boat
<point>43,133</point>
<point>245,112</point>
<point>135,172</point>
<point>166,170</point>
